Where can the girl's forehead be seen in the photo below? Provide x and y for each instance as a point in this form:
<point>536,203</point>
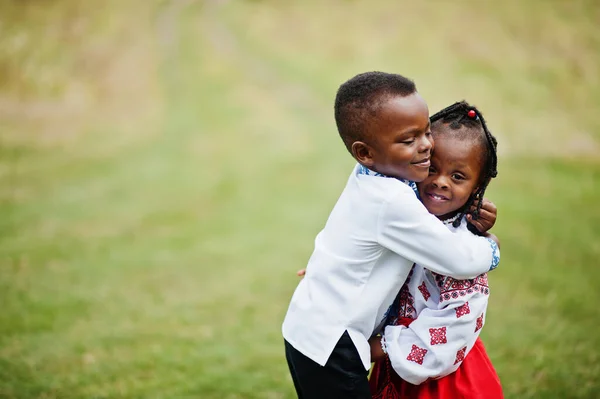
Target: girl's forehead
<point>450,149</point>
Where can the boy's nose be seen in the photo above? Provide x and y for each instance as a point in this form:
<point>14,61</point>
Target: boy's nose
<point>425,144</point>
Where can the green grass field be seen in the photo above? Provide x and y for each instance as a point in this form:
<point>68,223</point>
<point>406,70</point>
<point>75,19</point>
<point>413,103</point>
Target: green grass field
<point>165,166</point>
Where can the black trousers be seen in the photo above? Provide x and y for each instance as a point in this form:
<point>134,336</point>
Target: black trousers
<point>342,377</point>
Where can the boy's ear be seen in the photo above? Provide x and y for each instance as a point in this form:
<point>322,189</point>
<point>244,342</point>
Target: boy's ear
<point>363,153</point>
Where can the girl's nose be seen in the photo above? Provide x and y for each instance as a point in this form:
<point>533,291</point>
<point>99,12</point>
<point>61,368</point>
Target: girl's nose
<point>440,182</point>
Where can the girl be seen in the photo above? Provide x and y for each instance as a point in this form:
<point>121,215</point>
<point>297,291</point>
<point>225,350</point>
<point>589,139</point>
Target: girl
<point>435,320</point>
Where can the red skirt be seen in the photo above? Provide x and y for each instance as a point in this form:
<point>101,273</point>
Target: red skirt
<point>474,379</point>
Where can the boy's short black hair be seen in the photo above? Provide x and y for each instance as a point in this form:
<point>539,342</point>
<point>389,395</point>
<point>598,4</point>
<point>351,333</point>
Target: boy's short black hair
<point>358,100</point>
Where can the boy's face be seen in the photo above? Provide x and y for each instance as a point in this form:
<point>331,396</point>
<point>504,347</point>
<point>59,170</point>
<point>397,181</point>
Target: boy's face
<point>400,140</point>
<point>453,176</point>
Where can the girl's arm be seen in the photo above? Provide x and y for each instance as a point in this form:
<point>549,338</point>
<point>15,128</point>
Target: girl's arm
<point>435,344</point>
<point>406,228</point>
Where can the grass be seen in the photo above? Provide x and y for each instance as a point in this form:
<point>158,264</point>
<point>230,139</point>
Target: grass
<point>165,166</point>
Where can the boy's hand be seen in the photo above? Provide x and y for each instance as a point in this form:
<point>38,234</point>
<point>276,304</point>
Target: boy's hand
<point>301,272</point>
<point>487,216</point>
<point>376,349</point>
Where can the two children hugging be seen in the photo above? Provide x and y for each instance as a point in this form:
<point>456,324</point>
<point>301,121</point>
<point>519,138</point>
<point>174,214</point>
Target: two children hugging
<point>376,232</point>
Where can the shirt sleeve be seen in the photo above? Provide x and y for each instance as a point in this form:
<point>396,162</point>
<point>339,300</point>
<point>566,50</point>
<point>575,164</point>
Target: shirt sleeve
<point>435,344</point>
<point>406,228</point>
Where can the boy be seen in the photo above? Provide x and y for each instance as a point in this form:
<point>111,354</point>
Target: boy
<point>376,231</point>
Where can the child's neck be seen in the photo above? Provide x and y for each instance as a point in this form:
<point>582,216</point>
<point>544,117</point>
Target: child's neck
<point>448,216</point>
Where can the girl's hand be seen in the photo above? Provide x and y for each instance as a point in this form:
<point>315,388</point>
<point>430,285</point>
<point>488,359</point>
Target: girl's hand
<point>301,272</point>
<point>487,216</point>
<point>376,350</point>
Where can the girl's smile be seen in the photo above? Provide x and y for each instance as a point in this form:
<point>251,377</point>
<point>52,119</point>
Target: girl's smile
<point>437,197</point>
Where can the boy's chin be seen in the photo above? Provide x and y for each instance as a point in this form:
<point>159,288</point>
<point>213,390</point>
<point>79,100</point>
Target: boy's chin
<point>418,178</point>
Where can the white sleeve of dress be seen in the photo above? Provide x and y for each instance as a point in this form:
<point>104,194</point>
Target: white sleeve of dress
<point>406,228</point>
<point>436,342</point>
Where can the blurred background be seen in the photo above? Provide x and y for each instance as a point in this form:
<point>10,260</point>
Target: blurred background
<point>166,165</point>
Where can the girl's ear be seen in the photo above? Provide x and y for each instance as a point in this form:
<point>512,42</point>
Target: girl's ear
<point>363,153</point>
<point>482,183</point>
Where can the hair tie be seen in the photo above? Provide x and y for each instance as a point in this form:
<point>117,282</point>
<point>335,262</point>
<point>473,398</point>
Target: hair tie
<point>471,114</point>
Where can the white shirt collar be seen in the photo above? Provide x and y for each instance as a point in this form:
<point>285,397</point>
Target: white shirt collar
<point>363,170</point>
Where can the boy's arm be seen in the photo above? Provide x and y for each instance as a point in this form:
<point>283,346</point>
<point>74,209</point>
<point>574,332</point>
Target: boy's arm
<point>406,228</point>
<point>435,343</point>
<point>493,237</point>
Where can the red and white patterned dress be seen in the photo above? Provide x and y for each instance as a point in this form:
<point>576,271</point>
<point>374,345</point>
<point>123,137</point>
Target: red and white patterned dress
<point>432,340</point>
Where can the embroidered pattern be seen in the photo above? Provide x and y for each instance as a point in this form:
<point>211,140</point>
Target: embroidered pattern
<point>403,305</point>
<point>417,354</point>
<point>479,324</point>
<point>406,304</point>
<point>462,310</point>
<point>424,291</point>
<point>495,254</point>
<point>363,170</point>
<point>460,355</point>
<point>449,221</point>
<point>438,335</point>
<point>451,288</point>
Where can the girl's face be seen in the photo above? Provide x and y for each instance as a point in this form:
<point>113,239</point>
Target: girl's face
<point>453,176</point>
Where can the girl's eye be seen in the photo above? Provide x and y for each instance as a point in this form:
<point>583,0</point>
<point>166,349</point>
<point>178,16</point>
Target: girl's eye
<point>431,170</point>
<point>408,141</point>
<point>457,177</point>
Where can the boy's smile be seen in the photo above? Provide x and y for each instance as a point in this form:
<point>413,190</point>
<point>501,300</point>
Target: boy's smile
<point>399,140</point>
<point>453,176</point>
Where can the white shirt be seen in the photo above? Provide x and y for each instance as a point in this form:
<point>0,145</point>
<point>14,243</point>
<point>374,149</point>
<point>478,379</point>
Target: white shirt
<point>449,317</point>
<point>375,233</point>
